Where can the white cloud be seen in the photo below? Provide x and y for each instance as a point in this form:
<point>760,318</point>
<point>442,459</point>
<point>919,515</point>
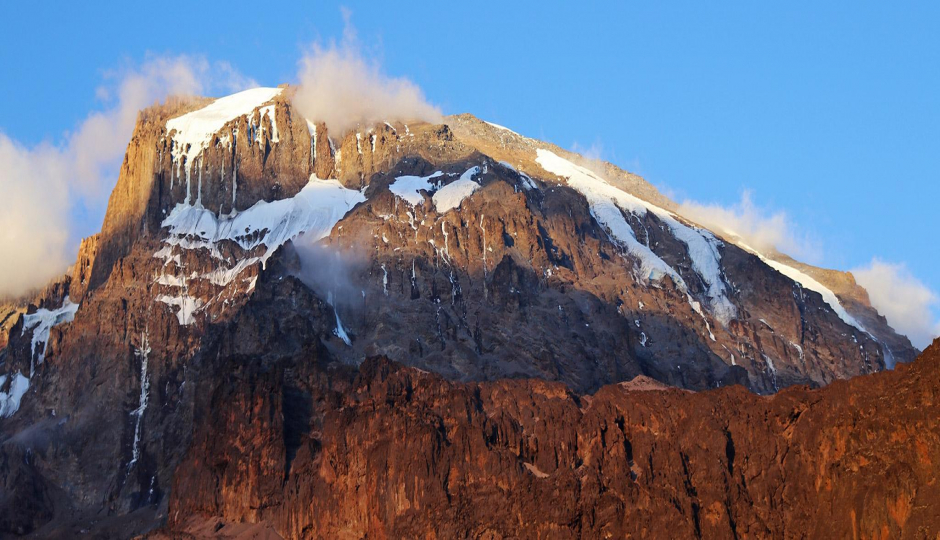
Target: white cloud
<point>33,216</point>
<point>43,186</point>
<point>760,228</point>
<point>903,299</point>
<point>342,88</point>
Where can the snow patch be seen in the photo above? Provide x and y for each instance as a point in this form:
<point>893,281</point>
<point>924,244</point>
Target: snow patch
<point>41,322</point>
<point>452,195</point>
<point>10,400</point>
<point>384,280</point>
<point>504,128</point>
<point>773,371</point>
<point>192,132</point>
<point>409,188</point>
<point>223,276</point>
<point>313,211</point>
<point>603,199</point>
<point>534,470</point>
<point>259,128</point>
<point>171,281</point>
<point>808,282</point>
<point>527,182</point>
<point>188,305</point>
<point>312,128</point>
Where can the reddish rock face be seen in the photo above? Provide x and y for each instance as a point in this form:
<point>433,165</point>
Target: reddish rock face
<point>392,452</point>
<point>215,374</point>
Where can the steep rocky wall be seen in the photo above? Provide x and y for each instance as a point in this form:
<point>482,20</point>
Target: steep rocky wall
<point>127,205</point>
<point>395,452</point>
<point>81,270</point>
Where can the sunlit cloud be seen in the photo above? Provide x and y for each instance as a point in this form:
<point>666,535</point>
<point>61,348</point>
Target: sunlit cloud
<point>903,299</point>
<point>760,228</point>
<point>343,88</point>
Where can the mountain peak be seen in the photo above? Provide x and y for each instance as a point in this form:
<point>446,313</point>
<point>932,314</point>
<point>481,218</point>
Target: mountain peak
<point>245,244</point>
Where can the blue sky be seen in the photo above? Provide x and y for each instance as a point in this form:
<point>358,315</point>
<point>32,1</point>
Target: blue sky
<point>830,113</point>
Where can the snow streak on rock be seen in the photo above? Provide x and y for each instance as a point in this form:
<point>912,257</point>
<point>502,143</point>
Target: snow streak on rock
<point>609,205</point>
<point>188,306</point>
<point>807,282</point>
<point>339,331</point>
<point>144,354</point>
<point>41,322</point>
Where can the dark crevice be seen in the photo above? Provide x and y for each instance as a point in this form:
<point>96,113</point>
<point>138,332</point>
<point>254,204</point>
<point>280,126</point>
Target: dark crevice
<point>297,409</point>
<point>692,493</point>
<point>729,452</point>
<point>627,447</point>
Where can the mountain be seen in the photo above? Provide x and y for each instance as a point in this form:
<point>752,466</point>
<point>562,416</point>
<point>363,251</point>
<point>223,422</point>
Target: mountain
<point>273,314</point>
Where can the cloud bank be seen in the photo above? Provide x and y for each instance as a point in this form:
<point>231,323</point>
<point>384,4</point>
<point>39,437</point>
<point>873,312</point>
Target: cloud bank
<point>903,299</point>
<point>44,189</point>
<point>33,216</point>
<point>342,88</point>
<point>762,229</point>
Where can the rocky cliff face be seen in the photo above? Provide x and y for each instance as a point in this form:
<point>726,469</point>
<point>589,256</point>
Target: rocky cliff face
<point>250,260</point>
<point>393,452</point>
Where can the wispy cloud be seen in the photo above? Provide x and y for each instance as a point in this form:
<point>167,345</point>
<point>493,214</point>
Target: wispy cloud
<point>758,227</point>
<point>343,88</point>
<point>902,298</point>
<point>45,186</point>
<point>594,152</point>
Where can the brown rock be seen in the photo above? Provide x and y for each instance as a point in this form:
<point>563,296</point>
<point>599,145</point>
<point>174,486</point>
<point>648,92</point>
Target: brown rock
<point>400,453</point>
